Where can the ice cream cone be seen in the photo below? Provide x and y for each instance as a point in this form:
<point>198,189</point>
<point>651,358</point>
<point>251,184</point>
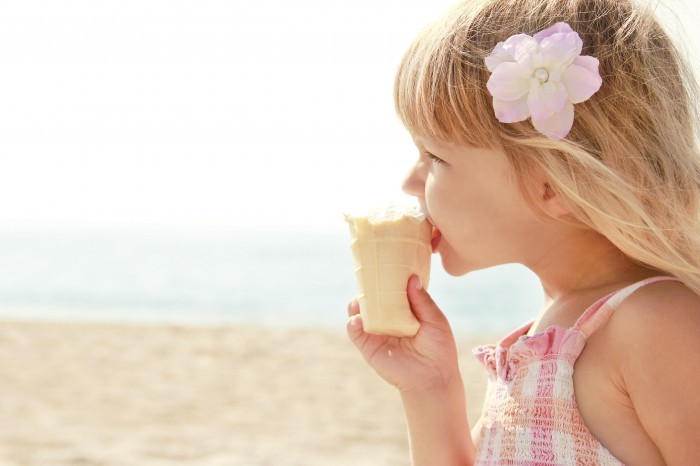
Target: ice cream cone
<point>389,246</point>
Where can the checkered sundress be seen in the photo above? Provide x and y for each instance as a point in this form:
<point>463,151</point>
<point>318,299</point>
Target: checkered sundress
<point>530,414</point>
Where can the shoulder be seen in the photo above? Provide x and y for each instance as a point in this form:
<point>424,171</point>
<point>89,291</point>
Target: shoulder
<point>653,336</point>
<point>664,312</point>
<point>657,321</point>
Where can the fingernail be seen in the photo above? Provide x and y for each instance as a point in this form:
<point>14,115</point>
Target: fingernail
<point>419,284</point>
<point>356,321</point>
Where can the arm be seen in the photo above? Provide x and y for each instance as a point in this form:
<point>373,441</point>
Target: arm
<point>425,370</point>
<point>437,426</point>
<point>661,367</point>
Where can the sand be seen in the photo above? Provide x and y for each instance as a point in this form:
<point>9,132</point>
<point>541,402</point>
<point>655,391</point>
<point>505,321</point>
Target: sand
<point>104,394</point>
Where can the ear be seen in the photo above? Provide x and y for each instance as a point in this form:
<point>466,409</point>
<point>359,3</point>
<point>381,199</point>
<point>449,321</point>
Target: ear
<point>552,202</point>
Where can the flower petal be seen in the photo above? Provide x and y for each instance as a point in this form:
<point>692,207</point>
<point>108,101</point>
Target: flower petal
<point>580,83</point>
<point>537,102</point>
<point>588,62</point>
<point>560,50</point>
<point>555,96</point>
<point>558,125</point>
<point>523,49</point>
<point>508,82</point>
<point>498,56</point>
<point>511,111</point>
<point>518,40</point>
<point>557,28</point>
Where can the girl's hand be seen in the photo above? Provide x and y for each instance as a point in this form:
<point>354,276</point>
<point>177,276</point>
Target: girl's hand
<point>427,360</point>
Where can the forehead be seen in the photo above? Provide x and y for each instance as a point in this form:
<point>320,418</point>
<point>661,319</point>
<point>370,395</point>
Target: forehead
<point>443,144</point>
<point>433,142</point>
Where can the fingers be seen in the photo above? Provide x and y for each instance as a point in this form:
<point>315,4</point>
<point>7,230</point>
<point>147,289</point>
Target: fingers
<point>365,342</point>
<point>354,325</point>
<point>356,332</point>
<point>422,305</point>
<point>353,308</point>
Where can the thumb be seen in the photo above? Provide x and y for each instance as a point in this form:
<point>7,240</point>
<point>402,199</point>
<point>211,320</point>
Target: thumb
<point>422,305</point>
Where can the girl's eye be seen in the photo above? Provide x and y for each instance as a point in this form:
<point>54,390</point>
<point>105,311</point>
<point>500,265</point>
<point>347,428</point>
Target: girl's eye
<point>434,158</point>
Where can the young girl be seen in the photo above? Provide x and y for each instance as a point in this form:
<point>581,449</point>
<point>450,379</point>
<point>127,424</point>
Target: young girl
<point>562,135</point>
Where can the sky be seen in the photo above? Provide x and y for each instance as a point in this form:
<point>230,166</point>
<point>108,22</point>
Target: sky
<point>204,115</point>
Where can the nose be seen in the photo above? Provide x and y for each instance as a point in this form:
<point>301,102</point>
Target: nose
<point>414,183</point>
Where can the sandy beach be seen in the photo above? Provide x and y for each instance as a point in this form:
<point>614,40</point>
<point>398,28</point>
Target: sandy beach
<point>77,394</point>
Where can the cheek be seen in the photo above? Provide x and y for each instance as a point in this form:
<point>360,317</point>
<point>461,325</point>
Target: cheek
<point>435,199</point>
<point>444,206</point>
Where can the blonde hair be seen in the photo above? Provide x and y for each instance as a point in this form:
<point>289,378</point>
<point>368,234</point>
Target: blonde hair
<point>629,168</point>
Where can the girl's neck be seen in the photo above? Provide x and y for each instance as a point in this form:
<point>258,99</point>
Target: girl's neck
<point>578,269</point>
<point>585,263</point>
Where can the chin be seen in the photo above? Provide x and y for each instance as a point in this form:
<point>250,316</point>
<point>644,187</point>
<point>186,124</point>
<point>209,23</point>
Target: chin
<point>457,267</point>
<point>454,268</point>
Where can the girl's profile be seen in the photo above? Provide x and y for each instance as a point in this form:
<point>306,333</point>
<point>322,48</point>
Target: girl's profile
<point>564,136</point>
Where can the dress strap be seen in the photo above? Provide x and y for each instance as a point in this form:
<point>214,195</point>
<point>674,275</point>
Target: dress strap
<point>598,314</point>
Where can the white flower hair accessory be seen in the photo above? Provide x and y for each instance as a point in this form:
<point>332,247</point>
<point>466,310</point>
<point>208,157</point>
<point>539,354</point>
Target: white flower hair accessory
<point>541,78</point>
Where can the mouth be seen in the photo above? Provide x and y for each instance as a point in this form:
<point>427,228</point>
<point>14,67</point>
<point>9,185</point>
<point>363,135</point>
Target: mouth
<point>435,238</point>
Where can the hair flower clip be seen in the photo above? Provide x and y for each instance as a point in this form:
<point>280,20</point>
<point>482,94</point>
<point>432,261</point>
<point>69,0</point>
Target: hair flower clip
<point>541,78</point>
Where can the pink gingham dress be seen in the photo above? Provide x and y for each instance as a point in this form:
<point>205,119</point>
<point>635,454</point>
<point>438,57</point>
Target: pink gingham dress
<point>530,415</point>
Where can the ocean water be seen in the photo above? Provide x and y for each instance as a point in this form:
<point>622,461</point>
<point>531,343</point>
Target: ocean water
<point>277,280</point>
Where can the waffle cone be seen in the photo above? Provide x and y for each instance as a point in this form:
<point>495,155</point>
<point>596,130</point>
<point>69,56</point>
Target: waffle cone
<point>387,251</point>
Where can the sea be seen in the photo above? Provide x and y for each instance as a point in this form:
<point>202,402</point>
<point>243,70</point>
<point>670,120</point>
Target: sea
<point>280,280</point>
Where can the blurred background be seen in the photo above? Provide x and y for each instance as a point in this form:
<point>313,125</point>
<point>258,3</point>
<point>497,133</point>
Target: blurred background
<point>190,161</point>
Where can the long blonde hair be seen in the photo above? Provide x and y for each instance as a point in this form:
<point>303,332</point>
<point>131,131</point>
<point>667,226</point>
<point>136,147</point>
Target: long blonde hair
<point>629,168</point>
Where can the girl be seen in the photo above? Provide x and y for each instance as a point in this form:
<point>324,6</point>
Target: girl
<point>562,135</point>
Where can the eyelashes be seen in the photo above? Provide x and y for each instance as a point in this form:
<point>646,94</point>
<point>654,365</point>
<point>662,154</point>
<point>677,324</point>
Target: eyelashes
<point>434,158</point>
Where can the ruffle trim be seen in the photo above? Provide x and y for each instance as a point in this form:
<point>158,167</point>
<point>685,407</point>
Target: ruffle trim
<point>519,349</point>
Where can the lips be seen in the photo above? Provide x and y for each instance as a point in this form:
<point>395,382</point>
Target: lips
<point>435,238</point>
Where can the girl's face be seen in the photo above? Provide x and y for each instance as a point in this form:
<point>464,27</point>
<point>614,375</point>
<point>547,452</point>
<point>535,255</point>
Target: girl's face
<point>469,195</point>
